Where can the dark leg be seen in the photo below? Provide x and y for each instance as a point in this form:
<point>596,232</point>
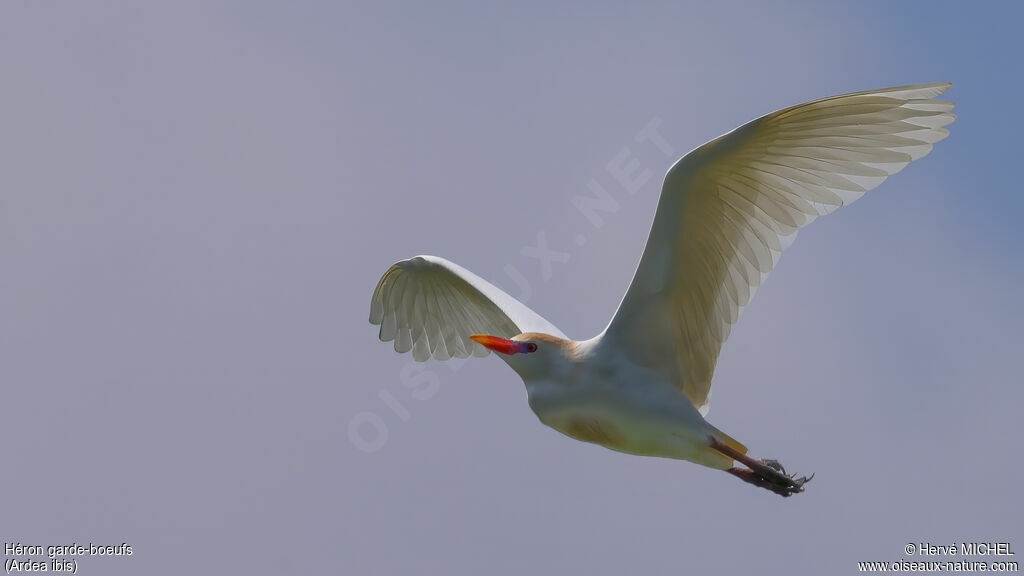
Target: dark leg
<point>767,474</point>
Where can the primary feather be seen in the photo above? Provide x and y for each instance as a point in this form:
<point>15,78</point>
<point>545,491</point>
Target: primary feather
<point>432,306</point>
<point>729,208</point>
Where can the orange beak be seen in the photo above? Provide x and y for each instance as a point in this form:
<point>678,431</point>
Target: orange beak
<point>497,344</point>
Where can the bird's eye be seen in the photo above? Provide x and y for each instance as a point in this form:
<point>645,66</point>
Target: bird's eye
<point>531,347</point>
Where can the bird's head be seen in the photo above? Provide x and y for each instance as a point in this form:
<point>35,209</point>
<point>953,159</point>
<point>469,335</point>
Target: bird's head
<point>532,355</point>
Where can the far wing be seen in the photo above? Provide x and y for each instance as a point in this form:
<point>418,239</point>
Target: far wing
<point>728,209</point>
<point>432,306</point>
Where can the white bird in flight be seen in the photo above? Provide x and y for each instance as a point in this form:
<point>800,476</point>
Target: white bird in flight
<point>727,210</point>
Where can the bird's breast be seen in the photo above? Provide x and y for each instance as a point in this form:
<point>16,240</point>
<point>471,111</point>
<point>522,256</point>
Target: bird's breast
<point>629,410</point>
<point>594,429</point>
<point>587,415</point>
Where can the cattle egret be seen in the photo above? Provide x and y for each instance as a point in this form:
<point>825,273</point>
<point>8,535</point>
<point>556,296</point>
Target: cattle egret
<point>727,210</point>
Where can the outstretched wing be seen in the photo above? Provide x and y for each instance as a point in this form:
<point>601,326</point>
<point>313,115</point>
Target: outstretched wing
<point>432,306</point>
<point>729,208</point>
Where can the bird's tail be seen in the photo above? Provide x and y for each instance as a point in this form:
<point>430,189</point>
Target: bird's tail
<point>715,458</point>
<point>730,442</point>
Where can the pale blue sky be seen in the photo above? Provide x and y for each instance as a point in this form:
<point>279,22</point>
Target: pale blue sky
<point>199,197</point>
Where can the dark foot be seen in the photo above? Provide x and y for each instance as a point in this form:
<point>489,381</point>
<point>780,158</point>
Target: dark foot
<point>767,474</point>
<point>785,486</point>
